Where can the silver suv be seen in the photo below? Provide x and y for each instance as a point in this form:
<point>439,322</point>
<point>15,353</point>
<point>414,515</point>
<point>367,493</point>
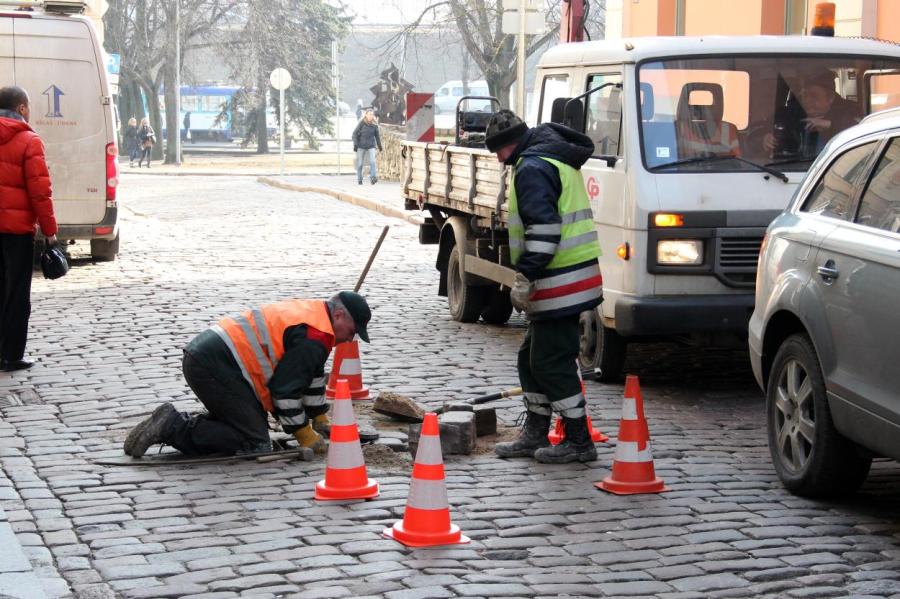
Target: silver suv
<point>825,334</point>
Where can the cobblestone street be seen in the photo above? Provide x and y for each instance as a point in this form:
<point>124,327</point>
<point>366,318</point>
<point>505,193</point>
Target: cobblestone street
<point>108,339</point>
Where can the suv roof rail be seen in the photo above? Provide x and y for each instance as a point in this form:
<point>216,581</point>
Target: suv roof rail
<point>65,7</point>
<point>887,113</point>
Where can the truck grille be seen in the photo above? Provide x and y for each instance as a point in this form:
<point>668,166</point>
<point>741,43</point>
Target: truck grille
<point>736,259</point>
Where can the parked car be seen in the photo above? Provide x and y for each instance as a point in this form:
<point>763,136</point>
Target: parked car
<point>825,332</point>
<point>448,95</point>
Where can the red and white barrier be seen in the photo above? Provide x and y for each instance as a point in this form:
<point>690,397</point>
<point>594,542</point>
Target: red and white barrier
<point>419,117</point>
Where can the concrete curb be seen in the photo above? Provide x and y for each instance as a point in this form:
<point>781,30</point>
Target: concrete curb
<point>344,196</point>
<point>17,579</point>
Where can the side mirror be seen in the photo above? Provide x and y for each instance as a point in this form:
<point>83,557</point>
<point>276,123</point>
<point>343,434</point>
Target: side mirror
<point>574,115</point>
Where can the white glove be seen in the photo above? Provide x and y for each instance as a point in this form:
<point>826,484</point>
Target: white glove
<point>521,292</point>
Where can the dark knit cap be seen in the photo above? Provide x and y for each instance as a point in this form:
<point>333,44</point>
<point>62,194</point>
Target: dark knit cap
<point>503,129</point>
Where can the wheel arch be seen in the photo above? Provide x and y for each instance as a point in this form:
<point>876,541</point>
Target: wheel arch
<point>453,233</point>
<point>781,325</point>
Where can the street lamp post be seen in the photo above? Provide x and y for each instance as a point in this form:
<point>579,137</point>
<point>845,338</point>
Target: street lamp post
<point>177,83</point>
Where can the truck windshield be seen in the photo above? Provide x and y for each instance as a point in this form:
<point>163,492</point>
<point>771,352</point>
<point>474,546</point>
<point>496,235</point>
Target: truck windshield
<point>767,110</point>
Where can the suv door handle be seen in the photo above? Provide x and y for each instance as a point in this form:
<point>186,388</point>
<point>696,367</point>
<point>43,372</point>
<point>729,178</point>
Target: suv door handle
<point>828,271</point>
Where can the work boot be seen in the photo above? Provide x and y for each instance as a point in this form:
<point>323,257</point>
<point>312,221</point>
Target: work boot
<point>322,425</point>
<point>576,447</point>
<point>532,438</point>
<point>150,431</point>
<point>307,437</point>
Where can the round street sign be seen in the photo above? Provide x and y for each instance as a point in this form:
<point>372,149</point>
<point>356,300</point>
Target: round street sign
<point>280,79</point>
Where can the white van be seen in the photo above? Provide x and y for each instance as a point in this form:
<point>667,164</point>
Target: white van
<point>55,55</point>
<point>448,95</point>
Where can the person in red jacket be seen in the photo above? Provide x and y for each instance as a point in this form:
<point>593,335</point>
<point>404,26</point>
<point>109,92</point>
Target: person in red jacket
<point>25,201</point>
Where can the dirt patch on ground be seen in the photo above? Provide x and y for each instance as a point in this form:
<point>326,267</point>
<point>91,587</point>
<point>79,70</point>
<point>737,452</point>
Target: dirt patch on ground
<point>485,445</point>
<point>382,457</point>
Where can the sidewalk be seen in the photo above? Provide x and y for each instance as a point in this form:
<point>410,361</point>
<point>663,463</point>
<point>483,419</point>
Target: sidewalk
<point>384,197</point>
<point>17,579</point>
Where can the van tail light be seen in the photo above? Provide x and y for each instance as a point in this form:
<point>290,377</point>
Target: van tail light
<point>112,174</point>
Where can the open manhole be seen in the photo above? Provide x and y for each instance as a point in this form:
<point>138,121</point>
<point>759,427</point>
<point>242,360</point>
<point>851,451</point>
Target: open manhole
<point>22,397</point>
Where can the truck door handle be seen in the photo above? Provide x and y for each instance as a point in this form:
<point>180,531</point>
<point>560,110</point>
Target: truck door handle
<point>828,271</point>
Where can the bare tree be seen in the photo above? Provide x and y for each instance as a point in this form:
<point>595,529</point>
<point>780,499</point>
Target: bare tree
<point>479,25</point>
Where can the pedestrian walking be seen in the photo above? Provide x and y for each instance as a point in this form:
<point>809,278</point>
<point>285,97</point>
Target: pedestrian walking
<point>132,146</point>
<point>270,360</point>
<point>359,109</point>
<point>365,140</point>
<point>26,201</point>
<point>554,247</point>
<point>146,139</point>
<point>186,132</point>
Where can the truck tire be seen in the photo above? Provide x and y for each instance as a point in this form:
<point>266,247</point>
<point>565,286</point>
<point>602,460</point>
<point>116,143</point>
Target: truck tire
<point>105,250</point>
<point>601,348</point>
<point>498,308</point>
<point>466,301</point>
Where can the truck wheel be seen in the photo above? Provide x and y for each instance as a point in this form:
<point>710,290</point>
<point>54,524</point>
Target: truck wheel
<point>601,347</point>
<point>498,308</point>
<point>811,457</point>
<point>105,250</point>
<point>466,301</point>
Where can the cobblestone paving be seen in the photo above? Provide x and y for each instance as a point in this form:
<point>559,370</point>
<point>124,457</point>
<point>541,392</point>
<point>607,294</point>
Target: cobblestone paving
<point>109,340</point>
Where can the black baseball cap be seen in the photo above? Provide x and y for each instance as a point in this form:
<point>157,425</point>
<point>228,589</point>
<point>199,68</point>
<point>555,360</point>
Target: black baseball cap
<point>359,311</point>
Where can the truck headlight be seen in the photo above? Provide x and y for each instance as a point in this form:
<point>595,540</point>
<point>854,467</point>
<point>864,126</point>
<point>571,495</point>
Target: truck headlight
<point>679,251</point>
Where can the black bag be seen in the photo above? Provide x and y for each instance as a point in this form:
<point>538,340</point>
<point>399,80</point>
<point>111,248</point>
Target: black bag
<point>53,262</point>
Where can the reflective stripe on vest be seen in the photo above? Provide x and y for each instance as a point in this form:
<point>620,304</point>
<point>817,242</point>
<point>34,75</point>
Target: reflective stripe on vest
<point>256,338</point>
<point>578,243</point>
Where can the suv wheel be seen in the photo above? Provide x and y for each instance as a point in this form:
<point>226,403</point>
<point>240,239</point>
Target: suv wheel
<point>601,347</point>
<point>105,250</point>
<point>811,458</point>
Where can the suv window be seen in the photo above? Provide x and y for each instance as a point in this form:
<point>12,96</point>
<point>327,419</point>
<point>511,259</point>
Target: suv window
<point>880,205</point>
<point>603,116</point>
<point>834,191</point>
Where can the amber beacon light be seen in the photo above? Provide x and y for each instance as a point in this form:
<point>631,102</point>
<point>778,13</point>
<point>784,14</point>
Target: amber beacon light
<point>823,22</point>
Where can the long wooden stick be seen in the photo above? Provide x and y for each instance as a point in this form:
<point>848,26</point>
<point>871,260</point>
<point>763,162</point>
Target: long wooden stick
<point>365,271</point>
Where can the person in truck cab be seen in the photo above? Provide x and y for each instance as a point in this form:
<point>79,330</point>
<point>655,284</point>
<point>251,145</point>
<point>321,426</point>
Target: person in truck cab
<point>554,247</point>
<point>810,119</point>
<point>269,360</point>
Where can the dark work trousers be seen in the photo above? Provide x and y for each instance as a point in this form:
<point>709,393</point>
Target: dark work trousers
<point>547,368</point>
<point>16,263</point>
<point>236,420</point>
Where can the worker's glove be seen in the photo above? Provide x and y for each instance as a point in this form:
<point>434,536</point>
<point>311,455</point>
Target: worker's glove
<point>521,292</point>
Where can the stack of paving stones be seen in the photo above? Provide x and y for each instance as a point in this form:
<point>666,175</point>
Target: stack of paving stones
<point>196,248</point>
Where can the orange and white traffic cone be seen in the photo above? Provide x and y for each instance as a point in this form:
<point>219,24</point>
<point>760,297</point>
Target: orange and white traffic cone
<point>426,521</point>
<point>632,471</point>
<point>346,365</point>
<point>345,470</point>
<point>558,433</point>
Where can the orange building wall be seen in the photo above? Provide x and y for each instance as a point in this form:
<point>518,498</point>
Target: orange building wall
<point>705,17</point>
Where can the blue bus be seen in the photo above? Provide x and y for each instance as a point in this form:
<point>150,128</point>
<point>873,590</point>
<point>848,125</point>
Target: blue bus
<point>205,103</point>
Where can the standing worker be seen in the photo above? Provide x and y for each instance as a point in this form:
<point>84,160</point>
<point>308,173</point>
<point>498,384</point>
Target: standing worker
<point>25,201</point>
<point>270,360</point>
<point>365,140</point>
<point>554,247</point>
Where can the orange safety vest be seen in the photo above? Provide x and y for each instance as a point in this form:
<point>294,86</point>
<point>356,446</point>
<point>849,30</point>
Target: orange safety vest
<point>256,338</point>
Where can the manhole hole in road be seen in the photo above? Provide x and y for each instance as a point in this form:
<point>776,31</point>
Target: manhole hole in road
<point>23,397</point>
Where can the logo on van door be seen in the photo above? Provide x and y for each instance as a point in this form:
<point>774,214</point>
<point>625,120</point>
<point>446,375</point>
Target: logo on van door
<point>593,188</point>
<point>53,94</point>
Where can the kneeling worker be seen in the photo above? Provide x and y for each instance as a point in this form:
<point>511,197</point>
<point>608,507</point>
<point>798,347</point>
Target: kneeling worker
<point>554,247</point>
<point>267,360</point>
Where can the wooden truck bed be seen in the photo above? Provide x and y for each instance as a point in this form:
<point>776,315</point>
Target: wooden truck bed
<point>458,179</point>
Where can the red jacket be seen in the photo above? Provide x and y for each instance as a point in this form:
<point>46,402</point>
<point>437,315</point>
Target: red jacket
<point>25,193</point>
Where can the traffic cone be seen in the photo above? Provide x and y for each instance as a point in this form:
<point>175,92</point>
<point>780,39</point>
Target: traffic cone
<point>558,433</point>
<point>345,469</point>
<point>426,521</point>
<point>346,365</point>
<point>632,470</point>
